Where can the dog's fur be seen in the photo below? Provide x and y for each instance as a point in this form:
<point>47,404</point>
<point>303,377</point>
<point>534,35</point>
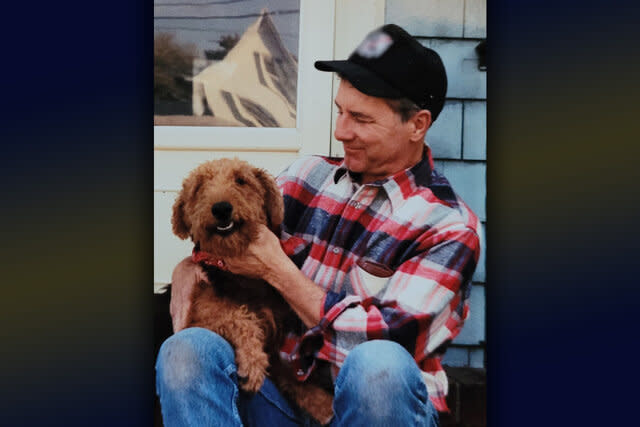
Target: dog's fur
<point>248,313</point>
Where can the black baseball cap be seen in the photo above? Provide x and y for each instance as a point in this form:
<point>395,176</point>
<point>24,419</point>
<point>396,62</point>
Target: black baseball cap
<point>390,63</point>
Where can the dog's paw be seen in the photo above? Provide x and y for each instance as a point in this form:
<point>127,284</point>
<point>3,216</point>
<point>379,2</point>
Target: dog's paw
<point>251,380</point>
<point>251,374</point>
<point>321,409</point>
<point>324,417</point>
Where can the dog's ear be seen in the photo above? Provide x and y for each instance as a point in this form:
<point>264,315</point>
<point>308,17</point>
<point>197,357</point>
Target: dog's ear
<point>179,221</point>
<point>273,204</point>
<point>179,225</point>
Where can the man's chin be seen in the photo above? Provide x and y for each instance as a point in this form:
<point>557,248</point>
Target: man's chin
<point>354,166</point>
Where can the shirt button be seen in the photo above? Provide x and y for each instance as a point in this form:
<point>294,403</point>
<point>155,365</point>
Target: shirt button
<point>335,250</point>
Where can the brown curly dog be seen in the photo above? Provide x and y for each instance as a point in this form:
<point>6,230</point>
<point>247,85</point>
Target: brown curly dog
<point>219,207</point>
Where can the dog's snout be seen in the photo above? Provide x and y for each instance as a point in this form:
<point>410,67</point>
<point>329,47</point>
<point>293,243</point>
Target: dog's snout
<point>222,211</point>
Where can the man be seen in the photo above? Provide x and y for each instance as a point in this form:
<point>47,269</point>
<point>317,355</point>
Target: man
<point>376,256</point>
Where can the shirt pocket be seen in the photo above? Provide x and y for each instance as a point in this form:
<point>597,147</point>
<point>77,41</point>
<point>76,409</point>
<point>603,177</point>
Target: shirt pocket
<point>370,278</point>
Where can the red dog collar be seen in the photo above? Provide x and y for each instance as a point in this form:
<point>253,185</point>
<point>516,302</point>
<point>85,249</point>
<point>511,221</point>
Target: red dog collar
<point>198,256</point>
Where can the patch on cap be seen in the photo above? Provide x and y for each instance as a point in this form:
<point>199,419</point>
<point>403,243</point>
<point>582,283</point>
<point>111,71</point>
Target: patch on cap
<point>374,45</point>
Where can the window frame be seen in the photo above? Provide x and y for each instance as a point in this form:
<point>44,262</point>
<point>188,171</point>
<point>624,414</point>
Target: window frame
<point>312,132</point>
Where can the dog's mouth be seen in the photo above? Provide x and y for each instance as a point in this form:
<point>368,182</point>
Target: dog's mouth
<point>224,228</point>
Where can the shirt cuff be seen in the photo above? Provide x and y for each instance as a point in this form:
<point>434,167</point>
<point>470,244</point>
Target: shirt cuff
<point>330,299</point>
<point>303,357</point>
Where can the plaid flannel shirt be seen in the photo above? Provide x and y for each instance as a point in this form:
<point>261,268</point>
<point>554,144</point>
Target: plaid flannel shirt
<point>395,258</point>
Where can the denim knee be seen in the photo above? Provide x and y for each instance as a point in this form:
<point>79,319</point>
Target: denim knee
<point>380,363</point>
<point>185,356</point>
<point>379,376</point>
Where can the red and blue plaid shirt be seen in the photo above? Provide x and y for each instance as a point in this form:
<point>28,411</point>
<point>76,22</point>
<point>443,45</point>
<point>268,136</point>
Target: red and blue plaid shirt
<point>395,258</point>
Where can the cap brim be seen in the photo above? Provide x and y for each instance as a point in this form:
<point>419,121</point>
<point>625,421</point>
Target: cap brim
<point>361,78</point>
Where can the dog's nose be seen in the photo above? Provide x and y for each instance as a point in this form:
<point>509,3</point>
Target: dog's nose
<point>222,211</point>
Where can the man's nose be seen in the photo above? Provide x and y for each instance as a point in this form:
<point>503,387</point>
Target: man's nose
<point>343,131</point>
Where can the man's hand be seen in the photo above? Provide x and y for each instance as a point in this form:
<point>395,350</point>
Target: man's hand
<point>265,259</point>
<point>260,258</point>
<point>186,276</point>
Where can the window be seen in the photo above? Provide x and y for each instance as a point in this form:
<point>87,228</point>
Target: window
<point>302,112</point>
<point>226,62</point>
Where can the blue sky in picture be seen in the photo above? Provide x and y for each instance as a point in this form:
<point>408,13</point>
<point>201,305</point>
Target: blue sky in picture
<point>204,22</point>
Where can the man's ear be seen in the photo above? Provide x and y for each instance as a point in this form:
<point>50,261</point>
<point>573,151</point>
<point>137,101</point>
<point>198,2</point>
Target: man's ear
<point>421,122</point>
<point>273,204</point>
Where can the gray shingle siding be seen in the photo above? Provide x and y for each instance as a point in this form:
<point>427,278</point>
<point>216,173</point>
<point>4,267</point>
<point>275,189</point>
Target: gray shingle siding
<point>468,180</point>
<point>445,137</point>
<point>458,139</point>
<point>427,18</point>
<point>473,331</point>
<point>460,60</point>
<point>475,18</point>
<point>474,130</point>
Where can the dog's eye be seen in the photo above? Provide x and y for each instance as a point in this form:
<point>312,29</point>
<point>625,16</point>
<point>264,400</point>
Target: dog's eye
<point>240,181</point>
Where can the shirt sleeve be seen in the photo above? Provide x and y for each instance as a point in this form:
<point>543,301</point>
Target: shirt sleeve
<point>423,306</point>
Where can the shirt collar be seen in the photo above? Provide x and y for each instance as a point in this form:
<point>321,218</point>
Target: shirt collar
<point>400,185</point>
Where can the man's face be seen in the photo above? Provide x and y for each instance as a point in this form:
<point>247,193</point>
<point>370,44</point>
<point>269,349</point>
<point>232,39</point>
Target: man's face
<point>376,142</point>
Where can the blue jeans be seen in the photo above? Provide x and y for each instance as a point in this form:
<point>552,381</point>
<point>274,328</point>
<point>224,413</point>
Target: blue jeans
<point>196,379</point>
